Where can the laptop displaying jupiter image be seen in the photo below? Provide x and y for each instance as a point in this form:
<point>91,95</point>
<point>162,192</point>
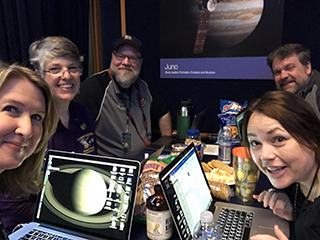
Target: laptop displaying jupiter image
<point>84,197</point>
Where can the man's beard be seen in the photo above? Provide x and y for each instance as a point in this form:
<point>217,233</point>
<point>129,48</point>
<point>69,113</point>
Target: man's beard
<point>124,80</point>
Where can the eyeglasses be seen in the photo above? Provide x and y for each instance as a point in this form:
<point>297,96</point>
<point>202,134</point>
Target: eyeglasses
<point>121,57</point>
<point>58,71</point>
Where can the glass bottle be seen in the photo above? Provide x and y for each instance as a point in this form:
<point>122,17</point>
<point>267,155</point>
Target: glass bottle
<point>159,221</point>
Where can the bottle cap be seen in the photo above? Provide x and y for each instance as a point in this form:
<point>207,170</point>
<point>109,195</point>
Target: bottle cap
<point>193,132</point>
<point>157,189</point>
<point>206,217</point>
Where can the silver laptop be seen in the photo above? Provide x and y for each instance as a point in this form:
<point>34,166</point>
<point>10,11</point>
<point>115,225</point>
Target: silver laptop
<point>84,197</point>
<point>188,194</point>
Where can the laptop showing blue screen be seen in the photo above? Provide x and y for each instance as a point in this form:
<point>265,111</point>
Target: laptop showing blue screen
<point>179,181</point>
<point>188,194</point>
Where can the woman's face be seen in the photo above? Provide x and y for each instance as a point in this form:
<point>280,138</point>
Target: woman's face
<point>66,83</point>
<point>22,110</point>
<point>279,155</point>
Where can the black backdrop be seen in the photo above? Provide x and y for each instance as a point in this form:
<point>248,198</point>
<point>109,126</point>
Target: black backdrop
<point>301,24</point>
<point>23,21</point>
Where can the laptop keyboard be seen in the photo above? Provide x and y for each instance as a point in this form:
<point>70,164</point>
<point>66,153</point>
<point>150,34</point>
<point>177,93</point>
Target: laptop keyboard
<point>235,224</point>
<point>39,235</point>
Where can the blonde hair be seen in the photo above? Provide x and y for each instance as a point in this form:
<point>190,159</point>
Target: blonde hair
<point>26,179</point>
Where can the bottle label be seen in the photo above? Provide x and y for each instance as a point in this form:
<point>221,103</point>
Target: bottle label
<point>159,224</point>
<point>225,154</point>
<point>197,144</point>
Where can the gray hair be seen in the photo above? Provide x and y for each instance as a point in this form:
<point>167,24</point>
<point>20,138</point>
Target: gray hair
<point>46,49</point>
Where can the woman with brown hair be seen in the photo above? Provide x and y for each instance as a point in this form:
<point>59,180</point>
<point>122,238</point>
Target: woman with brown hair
<point>282,132</point>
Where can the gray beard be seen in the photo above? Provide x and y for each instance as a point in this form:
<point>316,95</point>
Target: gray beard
<point>125,81</point>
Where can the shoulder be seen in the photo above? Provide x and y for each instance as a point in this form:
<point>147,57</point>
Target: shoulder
<point>92,89</point>
<point>315,77</point>
<point>101,79</point>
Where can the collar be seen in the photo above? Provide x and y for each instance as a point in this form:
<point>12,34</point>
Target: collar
<point>308,86</point>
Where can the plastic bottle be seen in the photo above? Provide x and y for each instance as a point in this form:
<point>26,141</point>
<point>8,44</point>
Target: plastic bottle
<point>225,142</point>
<point>193,135</point>
<point>206,229</point>
<point>159,221</point>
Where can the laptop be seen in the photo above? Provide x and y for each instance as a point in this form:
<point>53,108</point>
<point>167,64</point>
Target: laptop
<point>85,197</point>
<point>198,119</point>
<point>239,118</point>
<point>188,194</point>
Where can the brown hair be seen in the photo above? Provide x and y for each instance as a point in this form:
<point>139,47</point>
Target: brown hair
<point>288,50</point>
<point>292,112</point>
<point>26,179</point>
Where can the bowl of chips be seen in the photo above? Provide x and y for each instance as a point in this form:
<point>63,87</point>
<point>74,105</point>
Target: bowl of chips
<point>220,176</point>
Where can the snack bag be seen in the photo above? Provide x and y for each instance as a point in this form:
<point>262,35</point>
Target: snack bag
<point>220,176</point>
<point>149,178</point>
<point>220,190</point>
<point>231,106</point>
<point>229,110</point>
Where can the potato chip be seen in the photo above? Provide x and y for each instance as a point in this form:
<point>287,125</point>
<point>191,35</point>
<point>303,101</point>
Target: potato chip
<point>220,175</point>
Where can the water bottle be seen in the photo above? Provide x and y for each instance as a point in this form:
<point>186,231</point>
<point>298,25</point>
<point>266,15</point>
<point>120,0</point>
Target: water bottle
<point>183,117</point>
<point>225,142</point>
<point>206,229</point>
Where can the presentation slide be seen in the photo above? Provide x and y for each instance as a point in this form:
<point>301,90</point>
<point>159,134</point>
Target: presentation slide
<point>218,39</point>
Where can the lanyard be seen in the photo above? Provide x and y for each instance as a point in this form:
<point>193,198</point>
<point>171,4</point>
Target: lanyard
<point>130,117</point>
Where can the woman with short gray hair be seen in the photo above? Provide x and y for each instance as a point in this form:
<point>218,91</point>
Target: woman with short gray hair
<point>58,60</point>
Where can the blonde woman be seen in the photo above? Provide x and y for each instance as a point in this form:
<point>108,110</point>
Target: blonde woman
<point>28,119</point>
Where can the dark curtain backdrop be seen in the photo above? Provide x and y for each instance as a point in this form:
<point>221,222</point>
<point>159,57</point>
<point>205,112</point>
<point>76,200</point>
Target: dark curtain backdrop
<point>24,21</point>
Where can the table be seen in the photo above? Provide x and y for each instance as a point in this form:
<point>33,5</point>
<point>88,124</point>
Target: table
<point>139,229</point>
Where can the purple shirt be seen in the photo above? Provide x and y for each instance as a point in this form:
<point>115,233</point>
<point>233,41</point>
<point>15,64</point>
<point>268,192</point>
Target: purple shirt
<point>79,137</point>
<point>14,211</point>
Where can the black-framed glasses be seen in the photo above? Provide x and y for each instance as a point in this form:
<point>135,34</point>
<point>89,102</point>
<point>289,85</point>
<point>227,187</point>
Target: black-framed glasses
<point>121,57</point>
<point>58,71</point>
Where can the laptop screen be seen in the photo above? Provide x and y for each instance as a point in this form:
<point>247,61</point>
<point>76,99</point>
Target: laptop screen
<point>186,190</point>
<point>239,118</point>
<point>88,194</point>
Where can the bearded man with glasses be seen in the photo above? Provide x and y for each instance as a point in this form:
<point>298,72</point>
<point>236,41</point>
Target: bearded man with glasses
<point>123,105</point>
<point>58,61</point>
